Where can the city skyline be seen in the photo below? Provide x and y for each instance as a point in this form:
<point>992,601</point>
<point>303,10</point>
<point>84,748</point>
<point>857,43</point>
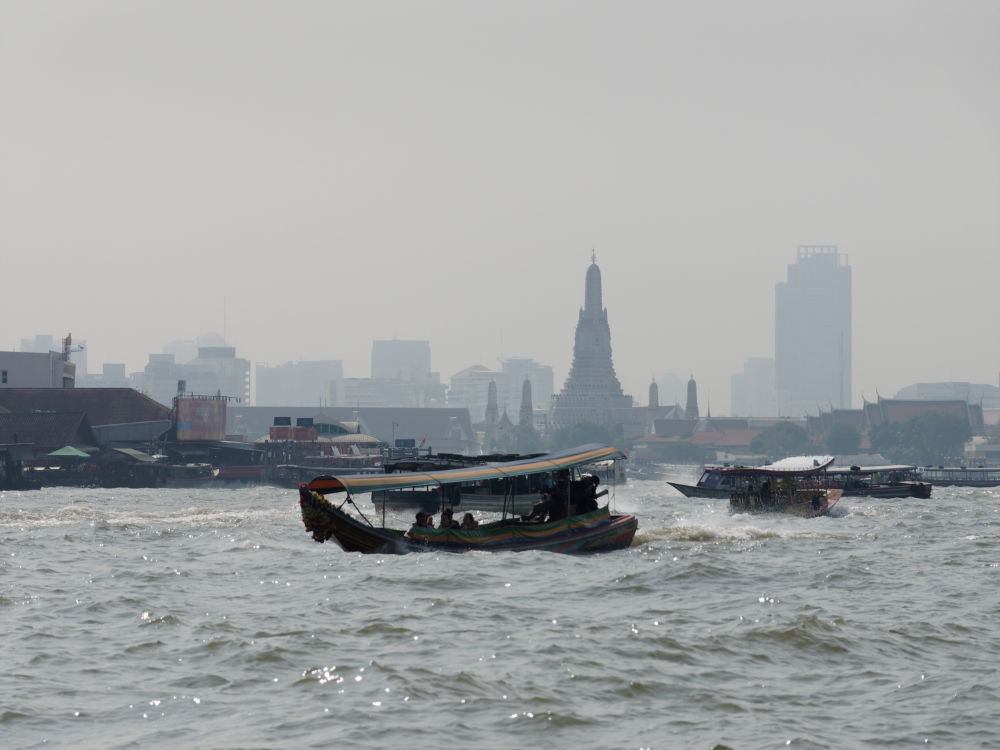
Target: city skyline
<point>306,181</point>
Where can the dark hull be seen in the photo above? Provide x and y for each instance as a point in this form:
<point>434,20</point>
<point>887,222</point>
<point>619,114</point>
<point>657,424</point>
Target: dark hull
<point>909,489</point>
<point>693,490</point>
<point>598,531</point>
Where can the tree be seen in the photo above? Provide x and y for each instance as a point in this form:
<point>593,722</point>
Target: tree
<point>681,452</point>
<point>843,439</point>
<point>924,440</point>
<point>781,440</point>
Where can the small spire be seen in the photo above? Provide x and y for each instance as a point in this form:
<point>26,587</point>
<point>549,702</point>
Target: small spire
<point>593,255</point>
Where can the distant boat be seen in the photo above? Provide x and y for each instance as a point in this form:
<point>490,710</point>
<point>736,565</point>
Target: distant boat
<point>186,475</point>
<point>961,476</point>
<point>896,480</point>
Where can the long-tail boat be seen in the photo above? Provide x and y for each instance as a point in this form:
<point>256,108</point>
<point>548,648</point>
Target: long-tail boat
<point>795,485</point>
<point>597,530</point>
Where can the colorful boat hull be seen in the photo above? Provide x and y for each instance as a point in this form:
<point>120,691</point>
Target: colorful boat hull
<point>597,531</point>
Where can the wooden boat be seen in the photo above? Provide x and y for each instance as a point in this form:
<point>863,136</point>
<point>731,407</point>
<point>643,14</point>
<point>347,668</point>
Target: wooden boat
<point>595,531</point>
<point>961,476</point>
<point>896,480</point>
<point>793,485</point>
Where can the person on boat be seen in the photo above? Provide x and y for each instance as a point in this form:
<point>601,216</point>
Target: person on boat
<point>424,520</point>
<point>765,492</point>
<point>468,522</point>
<point>583,494</point>
<point>448,519</point>
<point>554,500</point>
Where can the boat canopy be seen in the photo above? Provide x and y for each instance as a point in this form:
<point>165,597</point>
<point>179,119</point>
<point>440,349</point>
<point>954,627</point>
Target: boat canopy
<point>793,466</point>
<point>871,469</point>
<point>568,459</point>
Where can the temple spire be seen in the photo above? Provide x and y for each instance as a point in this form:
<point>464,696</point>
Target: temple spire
<point>593,306</point>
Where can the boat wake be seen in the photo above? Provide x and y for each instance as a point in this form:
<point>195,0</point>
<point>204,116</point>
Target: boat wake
<point>725,534</point>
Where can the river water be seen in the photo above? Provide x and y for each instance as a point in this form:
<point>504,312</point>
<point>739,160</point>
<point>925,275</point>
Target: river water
<point>210,619</point>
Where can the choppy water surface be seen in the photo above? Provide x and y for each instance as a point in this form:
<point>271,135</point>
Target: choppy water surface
<point>209,618</point>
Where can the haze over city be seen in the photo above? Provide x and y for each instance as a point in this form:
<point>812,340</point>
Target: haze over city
<point>307,177</point>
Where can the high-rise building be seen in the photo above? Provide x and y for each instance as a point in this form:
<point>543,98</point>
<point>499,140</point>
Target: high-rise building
<point>592,392</point>
<point>812,333</point>
<point>300,383</point>
<point>401,360</point>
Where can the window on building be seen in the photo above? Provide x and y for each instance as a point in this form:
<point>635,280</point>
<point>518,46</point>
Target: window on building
<point>5,377</point>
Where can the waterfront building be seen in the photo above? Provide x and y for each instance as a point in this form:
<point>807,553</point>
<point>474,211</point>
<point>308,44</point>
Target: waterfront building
<point>36,370</point>
<point>41,369</point>
<point>436,429</point>
<point>592,392</point>
<point>812,333</point>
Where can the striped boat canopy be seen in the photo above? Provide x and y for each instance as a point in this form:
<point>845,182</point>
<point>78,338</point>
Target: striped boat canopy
<point>568,459</point>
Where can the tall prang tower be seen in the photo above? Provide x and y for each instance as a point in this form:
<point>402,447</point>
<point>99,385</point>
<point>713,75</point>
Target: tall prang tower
<point>527,410</point>
<point>691,411</point>
<point>592,392</point>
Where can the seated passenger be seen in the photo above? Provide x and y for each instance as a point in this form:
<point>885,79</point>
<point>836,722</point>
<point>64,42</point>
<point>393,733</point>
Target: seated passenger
<point>424,520</point>
<point>447,519</point>
<point>468,522</point>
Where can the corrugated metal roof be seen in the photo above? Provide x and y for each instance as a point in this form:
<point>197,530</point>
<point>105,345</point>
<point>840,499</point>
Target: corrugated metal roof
<point>103,406</point>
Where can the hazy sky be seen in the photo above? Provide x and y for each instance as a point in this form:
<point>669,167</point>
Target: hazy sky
<point>310,176</point>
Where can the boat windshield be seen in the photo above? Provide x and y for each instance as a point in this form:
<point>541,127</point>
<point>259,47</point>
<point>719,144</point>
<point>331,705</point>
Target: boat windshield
<point>711,478</point>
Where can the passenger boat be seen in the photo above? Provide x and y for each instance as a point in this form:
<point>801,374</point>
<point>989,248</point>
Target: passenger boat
<point>793,485</point>
<point>896,480</point>
<point>594,531</point>
<point>962,476</point>
<point>186,475</point>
